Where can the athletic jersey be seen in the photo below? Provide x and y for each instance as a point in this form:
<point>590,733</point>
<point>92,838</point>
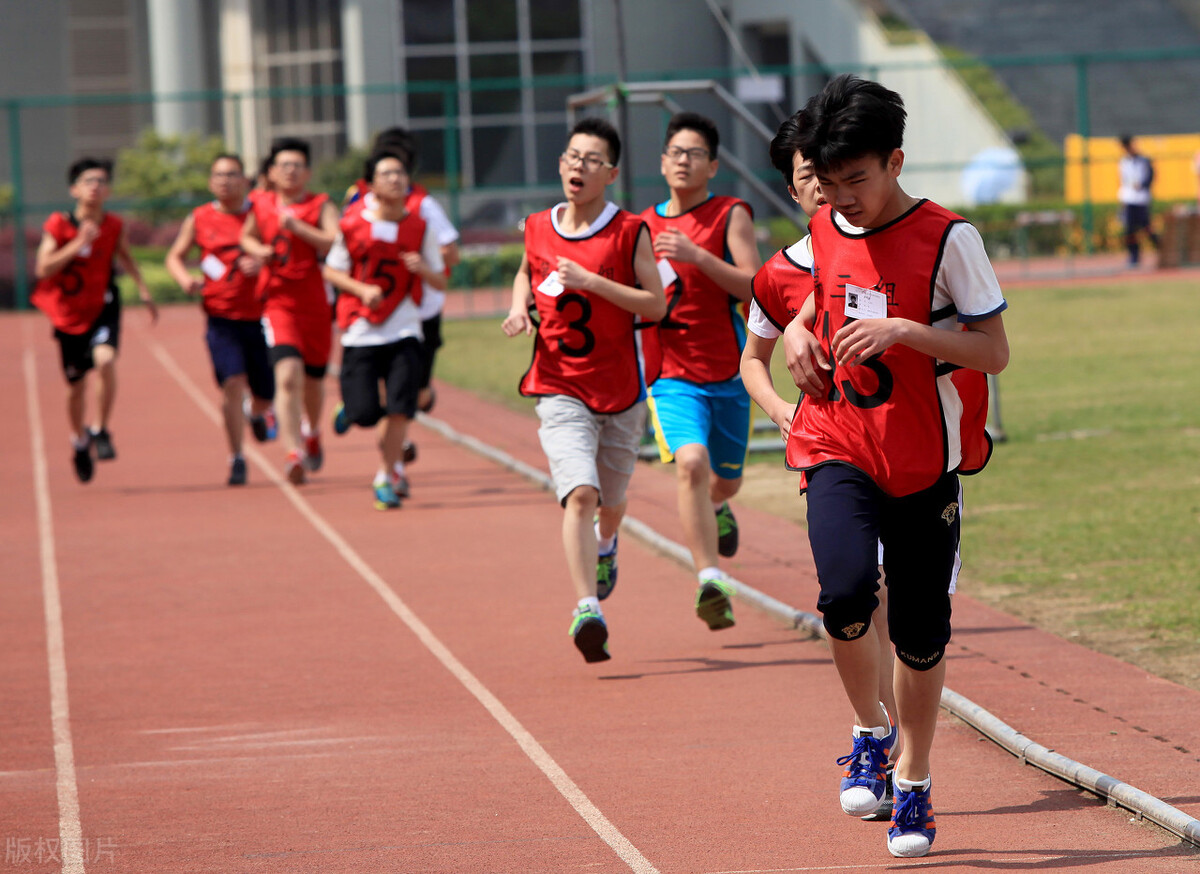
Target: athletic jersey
<point>375,249</point>
<point>74,296</point>
<point>899,416</point>
<point>780,288</point>
<point>228,293</point>
<point>585,346</point>
<point>293,278</point>
<point>702,334</point>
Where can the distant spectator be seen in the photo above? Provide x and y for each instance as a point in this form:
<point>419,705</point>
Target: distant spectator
<point>1137,175</point>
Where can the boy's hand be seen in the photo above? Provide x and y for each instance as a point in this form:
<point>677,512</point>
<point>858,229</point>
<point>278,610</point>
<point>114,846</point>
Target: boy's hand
<point>783,420</point>
<point>517,322</point>
<point>571,275</point>
<point>806,360</point>
<point>248,265</point>
<point>675,245</point>
<point>151,306</point>
<point>413,261</point>
<point>195,285</point>
<point>88,231</point>
<point>865,338</point>
<point>372,296</point>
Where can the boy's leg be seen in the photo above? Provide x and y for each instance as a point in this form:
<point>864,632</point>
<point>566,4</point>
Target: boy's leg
<point>105,358</point>
<point>693,472</point>
<point>579,539</point>
<point>400,388</point>
<point>233,394</point>
<point>289,387</point>
<point>76,407</point>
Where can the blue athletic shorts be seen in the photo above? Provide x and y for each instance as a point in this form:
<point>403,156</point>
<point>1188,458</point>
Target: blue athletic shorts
<point>715,415</point>
<point>238,346</point>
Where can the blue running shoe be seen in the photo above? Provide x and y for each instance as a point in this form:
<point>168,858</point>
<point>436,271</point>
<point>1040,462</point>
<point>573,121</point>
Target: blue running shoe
<point>606,573</point>
<point>385,496</point>
<point>913,827</point>
<point>590,634</point>
<point>341,422</point>
<point>864,782</point>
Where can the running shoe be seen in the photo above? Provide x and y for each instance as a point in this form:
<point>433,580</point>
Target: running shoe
<point>410,452</point>
<point>913,827</point>
<point>82,459</point>
<point>606,572</point>
<point>864,782</point>
<point>272,425</point>
<point>314,457</point>
<point>590,634</point>
<point>883,812</point>
<point>237,472</point>
<point>400,484</point>
<point>714,603</point>
<point>341,422</point>
<point>385,496</point>
<point>727,531</point>
<point>102,440</point>
<point>293,468</point>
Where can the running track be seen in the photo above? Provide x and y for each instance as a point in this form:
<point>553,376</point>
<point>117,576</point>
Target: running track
<point>200,679</point>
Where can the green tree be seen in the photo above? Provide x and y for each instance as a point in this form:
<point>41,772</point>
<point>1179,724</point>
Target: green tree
<point>167,174</point>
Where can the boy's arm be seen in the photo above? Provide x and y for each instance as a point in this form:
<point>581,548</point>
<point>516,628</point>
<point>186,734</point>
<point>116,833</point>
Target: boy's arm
<point>52,258</point>
<point>121,253</point>
<point>187,280</point>
<point>734,278</point>
<point>517,321</point>
<point>647,301</point>
<point>252,243</point>
<point>803,354</point>
<point>371,295</point>
<point>982,346</point>
<point>756,377</point>
<point>427,264</point>
<point>322,236</point>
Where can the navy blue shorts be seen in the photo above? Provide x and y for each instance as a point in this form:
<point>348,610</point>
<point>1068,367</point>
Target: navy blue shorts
<point>239,347</point>
<point>848,517</point>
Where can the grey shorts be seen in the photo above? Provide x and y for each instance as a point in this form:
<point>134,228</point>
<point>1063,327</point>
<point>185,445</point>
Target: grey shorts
<point>590,449</point>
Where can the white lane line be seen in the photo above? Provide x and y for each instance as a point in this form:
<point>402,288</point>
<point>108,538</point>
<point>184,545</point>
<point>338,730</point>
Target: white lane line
<point>559,778</point>
<point>70,832</point>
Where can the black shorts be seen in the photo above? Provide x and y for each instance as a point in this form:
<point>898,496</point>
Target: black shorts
<point>1135,217</point>
<point>76,349</point>
<point>848,516</point>
<point>275,354</point>
<point>363,367</point>
<point>239,347</point>
<point>432,330</point>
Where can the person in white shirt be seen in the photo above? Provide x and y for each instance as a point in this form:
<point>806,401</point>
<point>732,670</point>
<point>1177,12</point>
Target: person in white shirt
<point>1137,175</point>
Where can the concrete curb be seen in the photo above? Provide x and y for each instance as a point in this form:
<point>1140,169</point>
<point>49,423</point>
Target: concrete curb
<point>1113,791</point>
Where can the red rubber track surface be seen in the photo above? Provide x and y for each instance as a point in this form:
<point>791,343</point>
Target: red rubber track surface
<point>243,699</point>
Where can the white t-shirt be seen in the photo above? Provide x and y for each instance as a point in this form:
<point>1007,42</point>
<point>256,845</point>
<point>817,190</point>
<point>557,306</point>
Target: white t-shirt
<point>1136,174</point>
<point>758,323</point>
<point>444,233</point>
<point>405,320</point>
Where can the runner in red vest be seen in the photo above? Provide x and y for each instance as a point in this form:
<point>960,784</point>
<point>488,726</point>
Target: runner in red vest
<point>77,289</point>
<point>589,272</point>
<point>228,282</point>
<point>289,231</point>
<point>701,412</point>
<point>380,264</point>
<point>903,294</point>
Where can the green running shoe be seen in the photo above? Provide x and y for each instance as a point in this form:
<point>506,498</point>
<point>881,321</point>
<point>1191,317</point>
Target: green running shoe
<point>606,573</point>
<point>727,531</point>
<point>590,634</point>
<point>386,497</point>
<point>714,603</point>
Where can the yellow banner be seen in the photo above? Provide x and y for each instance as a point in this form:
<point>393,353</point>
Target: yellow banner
<point>1175,166</point>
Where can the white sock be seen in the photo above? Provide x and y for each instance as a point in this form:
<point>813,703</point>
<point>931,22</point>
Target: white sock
<point>605,544</point>
<point>234,457</point>
<point>381,477</point>
<point>717,505</point>
<point>592,604</point>
<point>710,573</point>
<point>909,785</point>
<point>81,441</point>
<point>398,467</point>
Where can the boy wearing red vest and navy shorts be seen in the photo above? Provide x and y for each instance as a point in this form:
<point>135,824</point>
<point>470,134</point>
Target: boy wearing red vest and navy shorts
<point>890,351</point>
<point>589,271</point>
<point>77,289</point>
<point>228,285</point>
<point>380,263</point>
<point>707,258</point>
<point>289,231</point>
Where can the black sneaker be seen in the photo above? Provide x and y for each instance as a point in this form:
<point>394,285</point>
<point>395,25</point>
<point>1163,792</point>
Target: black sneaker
<point>590,634</point>
<point>410,452</point>
<point>258,427</point>
<point>727,531</point>
<point>102,440</point>
<point>82,460</point>
<point>237,472</point>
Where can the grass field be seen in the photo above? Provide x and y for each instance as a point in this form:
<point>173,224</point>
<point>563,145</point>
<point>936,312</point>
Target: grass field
<point>1087,521</point>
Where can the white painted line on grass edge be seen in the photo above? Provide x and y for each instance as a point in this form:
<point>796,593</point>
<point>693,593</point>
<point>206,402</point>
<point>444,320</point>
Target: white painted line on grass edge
<point>70,832</point>
<point>559,778</point>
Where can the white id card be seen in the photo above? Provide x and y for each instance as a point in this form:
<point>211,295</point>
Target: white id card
<point>865,303</point>
<point>385,231</point>
<point>666,273</point>
<point>550,286</point>
<point>85,252</point>
<point>212,267</point>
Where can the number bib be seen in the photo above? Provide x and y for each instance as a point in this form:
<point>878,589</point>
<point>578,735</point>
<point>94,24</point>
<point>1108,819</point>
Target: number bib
<point>702,334</point>
<point>228,293</point>
<point>585,346</point>
<point>883,415</point>
<point>376,256</point>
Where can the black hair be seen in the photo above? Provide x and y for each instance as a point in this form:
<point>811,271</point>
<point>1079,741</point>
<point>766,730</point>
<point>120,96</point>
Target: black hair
<point>399,141</point>
<point>84,164</point>
<point>694,121</point>
<point>1126,140</point>
<point>375,157</point>
<point>229,156</point>
<point>850,118</point>
<point>290,144</point>
<point>786,144</point>
<point>598,127</point>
